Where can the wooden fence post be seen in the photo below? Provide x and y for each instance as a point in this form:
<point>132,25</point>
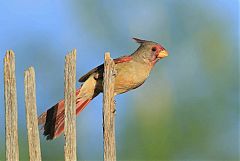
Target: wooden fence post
<point>10,97</point>
<point>70,107</point>
<point>109,109</point>
<point>31,115</point>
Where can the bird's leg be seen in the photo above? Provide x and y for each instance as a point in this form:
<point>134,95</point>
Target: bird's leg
<point>114,110</point>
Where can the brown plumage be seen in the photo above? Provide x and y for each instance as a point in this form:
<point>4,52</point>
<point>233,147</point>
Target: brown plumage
<point>131,72</point>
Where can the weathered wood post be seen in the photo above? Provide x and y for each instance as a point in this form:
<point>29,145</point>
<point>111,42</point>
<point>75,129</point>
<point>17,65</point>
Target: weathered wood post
<point>10,98</point>
<point>70,107</point>
<point>109,109</point>
<point>31,115</point>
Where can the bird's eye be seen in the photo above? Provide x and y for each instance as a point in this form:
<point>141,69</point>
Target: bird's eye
<point>154,48</point>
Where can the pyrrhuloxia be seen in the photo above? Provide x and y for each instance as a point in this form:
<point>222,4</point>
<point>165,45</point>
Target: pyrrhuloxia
<point>131,72</point>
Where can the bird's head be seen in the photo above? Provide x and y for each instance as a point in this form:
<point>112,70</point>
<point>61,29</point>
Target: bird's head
<point>150,51</point>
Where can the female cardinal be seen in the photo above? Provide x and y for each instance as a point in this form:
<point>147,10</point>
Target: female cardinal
<point>131,72</point>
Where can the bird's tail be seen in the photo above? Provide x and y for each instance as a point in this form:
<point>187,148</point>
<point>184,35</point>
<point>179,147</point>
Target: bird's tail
<point>52,121</point>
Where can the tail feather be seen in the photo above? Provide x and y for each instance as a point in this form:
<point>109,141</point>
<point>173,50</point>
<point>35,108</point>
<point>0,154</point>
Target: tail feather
<point>52,121</point>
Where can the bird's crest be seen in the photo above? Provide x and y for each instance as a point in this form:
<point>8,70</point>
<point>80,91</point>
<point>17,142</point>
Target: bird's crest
<point>140,41</point>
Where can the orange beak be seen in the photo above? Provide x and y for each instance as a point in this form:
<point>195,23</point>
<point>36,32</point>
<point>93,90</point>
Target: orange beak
<point>162,54</point>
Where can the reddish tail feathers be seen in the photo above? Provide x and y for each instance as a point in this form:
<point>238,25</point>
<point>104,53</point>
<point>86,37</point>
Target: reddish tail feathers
<point>52,121</point>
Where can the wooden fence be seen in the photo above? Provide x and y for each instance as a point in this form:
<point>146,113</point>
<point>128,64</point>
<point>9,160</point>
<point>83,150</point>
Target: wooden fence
<point>10,97</point>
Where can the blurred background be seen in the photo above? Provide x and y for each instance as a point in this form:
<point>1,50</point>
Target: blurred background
<point>186,110</point>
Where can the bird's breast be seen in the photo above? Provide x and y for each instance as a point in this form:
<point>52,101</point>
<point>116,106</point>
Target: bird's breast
<point>130,76</point>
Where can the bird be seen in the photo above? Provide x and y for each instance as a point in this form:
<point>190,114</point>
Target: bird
<point>131,72</point>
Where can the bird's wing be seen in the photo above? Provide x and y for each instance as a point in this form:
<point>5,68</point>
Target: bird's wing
<point>99,69</point>
<point>94,70</point>
<point>122,59</point>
